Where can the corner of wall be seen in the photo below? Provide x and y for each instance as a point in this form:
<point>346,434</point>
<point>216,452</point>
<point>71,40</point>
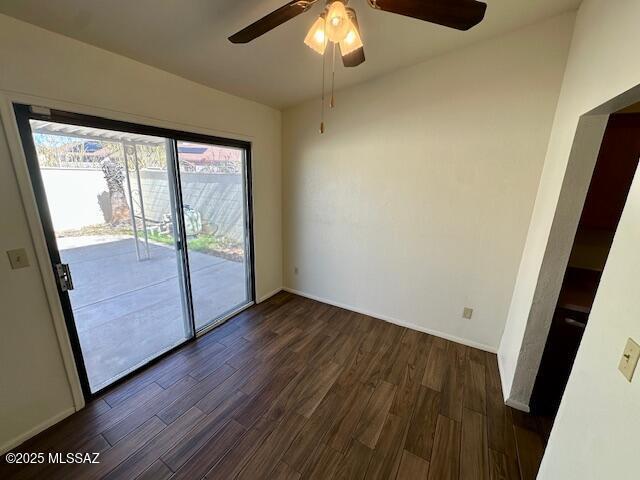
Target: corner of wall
<point>14,442</point>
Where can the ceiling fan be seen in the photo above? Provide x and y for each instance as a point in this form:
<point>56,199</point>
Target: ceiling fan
<point>338,22</point>
<point>338,25</point>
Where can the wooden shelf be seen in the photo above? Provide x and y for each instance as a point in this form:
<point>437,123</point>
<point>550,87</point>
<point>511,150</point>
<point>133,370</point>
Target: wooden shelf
<point>591,248</point>
<point>579,290</point>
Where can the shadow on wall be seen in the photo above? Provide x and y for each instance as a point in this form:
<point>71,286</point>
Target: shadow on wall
<point>218,198</point>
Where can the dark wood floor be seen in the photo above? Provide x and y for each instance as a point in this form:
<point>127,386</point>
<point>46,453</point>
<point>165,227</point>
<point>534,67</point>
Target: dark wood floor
<point>294,388</point>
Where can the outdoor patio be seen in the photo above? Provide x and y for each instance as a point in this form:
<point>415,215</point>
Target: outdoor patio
<point>128,311</point>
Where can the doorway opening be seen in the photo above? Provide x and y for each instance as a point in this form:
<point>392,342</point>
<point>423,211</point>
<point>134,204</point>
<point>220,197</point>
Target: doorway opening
<point>611,181</point>
<point>148,231</point>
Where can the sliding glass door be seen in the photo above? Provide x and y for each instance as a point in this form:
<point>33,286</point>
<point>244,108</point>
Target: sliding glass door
<point>148,234</point>
<point>213,186</point>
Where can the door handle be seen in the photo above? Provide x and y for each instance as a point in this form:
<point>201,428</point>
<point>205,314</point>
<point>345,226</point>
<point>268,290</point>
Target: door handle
<point>64,277</point>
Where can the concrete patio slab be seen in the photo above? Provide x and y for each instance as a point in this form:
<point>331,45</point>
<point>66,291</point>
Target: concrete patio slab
<point>129,311</point>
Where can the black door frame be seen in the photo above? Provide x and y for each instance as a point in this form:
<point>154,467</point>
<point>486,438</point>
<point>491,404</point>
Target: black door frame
<point>24,113</point>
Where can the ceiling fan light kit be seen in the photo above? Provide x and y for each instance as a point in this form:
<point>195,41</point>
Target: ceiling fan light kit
<point>338,24</point>
<point>316,39</point>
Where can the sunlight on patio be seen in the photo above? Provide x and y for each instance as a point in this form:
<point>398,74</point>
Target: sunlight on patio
<point>114,216</point>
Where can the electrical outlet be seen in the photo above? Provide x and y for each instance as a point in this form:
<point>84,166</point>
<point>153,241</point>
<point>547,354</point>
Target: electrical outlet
<point>629,359</point>
<point>467,313</point>
<point>295,270</point>
<point>18,258</point>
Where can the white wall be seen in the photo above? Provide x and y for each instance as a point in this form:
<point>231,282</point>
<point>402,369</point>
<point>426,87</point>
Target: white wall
<point>77,187</point>
<point>416,200</point>
<point>54,70</point>
<point>601,65</point>
<point>34,389</point>
<point>594,435</point>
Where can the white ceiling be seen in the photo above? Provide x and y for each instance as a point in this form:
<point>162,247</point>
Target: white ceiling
<point>189,38</point>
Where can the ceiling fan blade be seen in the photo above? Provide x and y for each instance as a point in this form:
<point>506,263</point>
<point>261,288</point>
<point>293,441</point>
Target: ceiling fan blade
<point>458,14</point>
<point>271,21</point>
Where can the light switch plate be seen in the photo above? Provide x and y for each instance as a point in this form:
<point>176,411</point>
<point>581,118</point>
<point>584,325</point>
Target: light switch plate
<point>629,359</point>
<point>467,313</point>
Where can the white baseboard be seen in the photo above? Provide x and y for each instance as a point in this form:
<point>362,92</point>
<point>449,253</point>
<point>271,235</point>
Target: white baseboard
<point>505,393</point>
<point>518,405</point>
<point>523,407</point>
<point>505,388</point>
<point>14,442</point>
<point>270,294</point>
<point>412,326</point>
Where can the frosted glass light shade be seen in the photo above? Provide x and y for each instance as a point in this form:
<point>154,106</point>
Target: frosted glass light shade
<point>316,38</point>
<point>337,22</point>
<point>352,40</point>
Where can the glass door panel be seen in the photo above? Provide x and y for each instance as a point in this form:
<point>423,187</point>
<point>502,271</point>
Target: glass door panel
<point>213,184</point>
<point>112,206</point>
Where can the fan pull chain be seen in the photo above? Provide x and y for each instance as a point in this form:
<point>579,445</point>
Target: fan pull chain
<point>324,54</point>
<point>322,100</point>
<point>333,78</point>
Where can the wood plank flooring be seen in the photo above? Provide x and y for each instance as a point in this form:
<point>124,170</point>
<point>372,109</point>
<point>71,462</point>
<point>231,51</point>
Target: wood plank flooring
<point>294,388</point>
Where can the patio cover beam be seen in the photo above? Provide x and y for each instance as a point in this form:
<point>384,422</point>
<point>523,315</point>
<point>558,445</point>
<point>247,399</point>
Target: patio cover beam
<point>88,133</point>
